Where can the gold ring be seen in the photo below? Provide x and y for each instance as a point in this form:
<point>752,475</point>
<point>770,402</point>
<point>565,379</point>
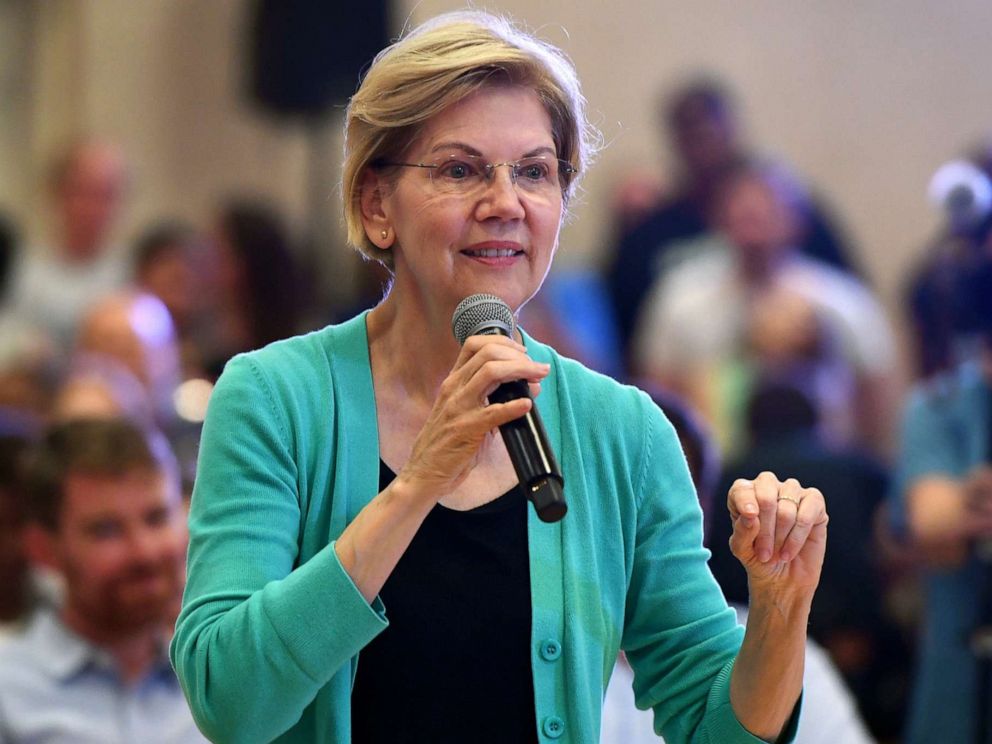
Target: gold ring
<point>793,499</point>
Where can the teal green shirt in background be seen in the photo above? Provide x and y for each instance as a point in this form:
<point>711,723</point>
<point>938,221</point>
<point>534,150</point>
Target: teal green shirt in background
<point>272,627</point>
<point>945,434</point>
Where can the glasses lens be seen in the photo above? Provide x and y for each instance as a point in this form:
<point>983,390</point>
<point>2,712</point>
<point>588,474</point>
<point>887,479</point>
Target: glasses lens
<point>458,173</point>
<point>536,174</point>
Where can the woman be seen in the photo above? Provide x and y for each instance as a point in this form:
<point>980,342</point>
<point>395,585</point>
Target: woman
<point>463,143</point>
<point>259,292</point>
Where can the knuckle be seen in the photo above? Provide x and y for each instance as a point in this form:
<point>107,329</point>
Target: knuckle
<point>767,499</point>
<point>491,370</point>
<point>486,352</point>
<point>741,484</point>
<point>448,386</point>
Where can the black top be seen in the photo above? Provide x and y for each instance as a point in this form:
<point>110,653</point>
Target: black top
<point>454,663</point>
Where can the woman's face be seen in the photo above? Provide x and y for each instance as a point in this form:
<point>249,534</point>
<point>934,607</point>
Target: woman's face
<point>499,237</point>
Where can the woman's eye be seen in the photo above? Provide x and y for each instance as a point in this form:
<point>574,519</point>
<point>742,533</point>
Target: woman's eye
<point>456,170</point>
<point>533,171</point>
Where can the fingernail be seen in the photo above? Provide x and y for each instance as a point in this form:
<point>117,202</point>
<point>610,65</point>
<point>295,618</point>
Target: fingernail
<point>784,556</point>
<point>750,509</point>
<point>764,555</point>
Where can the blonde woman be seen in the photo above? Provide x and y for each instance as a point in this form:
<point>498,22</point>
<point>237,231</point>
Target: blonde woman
<point>363,566</point>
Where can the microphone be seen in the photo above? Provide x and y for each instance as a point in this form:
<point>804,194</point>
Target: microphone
<point>525,438</point>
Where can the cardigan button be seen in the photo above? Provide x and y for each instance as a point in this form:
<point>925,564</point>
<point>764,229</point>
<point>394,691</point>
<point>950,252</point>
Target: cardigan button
<point>553,727</point>
<point>550,649</point>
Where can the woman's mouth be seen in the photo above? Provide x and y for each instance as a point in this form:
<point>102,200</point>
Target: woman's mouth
<point>491,252</point>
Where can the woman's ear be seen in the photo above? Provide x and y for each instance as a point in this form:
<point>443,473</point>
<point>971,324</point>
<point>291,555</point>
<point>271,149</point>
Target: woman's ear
<point>374,218</point>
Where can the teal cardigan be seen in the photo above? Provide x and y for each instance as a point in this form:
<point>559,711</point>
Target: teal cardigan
<point>272,628</point>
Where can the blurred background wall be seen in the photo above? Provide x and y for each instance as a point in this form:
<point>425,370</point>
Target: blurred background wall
<point>864,98</point>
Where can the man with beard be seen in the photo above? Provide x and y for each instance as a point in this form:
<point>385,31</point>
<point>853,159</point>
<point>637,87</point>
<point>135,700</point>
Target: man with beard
<point>104,512</point>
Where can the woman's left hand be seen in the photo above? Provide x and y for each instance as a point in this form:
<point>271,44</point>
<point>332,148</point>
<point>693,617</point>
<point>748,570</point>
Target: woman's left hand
<point>780,533</point>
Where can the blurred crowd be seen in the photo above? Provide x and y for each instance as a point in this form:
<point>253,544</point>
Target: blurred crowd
<point>731,292</point>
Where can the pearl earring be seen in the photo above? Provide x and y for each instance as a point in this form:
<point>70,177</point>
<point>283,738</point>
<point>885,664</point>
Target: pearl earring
<point>384,234</point>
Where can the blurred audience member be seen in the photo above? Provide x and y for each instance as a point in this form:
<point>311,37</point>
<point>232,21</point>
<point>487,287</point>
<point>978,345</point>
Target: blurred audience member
<point>104,511</point>
<point>9,245</point>
<point>371,282</point>
<point>829,714</point>
<point>28,377</point>
<point>16,594</point>
<point>136,330</point>
<point>573,313</point>
<point>943,496</point>
<point>260,288</point>
<point>702,125</point>
<point>748,301</point>
<point>100,386</point>
<point>849,617</point>
<point>53,285</point>
<point>171,264</point>
<point>962,191</point>
<point>636,196</point>
<point>26,357</point>
<point>126,363</point>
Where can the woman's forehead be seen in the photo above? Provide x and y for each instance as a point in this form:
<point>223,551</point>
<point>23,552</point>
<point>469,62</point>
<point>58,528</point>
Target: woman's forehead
<point>506,119</point>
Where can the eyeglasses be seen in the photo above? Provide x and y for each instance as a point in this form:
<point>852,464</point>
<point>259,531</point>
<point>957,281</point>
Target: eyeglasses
<point>467,175</point>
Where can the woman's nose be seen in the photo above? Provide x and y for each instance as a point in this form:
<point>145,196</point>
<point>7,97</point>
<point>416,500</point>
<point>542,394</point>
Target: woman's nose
<point>501,198</point>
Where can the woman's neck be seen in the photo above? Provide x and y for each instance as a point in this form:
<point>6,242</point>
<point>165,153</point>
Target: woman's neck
<point>411,347</point>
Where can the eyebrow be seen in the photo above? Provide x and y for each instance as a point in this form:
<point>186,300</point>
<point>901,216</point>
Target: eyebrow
<point>469,150</point>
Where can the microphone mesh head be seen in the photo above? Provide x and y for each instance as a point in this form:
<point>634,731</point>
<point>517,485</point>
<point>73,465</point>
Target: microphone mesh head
<point>482,315</point>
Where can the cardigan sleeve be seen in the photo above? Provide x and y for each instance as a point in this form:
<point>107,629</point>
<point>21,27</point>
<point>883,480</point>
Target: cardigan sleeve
<point>679,634</point>
<point>258,636</point>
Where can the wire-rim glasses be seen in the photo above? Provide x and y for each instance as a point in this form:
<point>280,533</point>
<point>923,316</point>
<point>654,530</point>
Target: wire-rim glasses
<point>464,174</point>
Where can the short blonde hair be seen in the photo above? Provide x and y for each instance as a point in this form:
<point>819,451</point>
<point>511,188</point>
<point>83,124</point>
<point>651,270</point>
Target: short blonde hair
<point>438,64</point>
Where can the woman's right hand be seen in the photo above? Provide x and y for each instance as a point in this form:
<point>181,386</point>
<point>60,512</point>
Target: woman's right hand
<point>449,444</point>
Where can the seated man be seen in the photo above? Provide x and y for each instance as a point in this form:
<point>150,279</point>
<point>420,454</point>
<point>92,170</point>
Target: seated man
<point>749,302</point>
<point>104,511</point>
<point>50,286</point>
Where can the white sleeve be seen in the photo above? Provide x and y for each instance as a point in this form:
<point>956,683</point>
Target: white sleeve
<point>829,714</point>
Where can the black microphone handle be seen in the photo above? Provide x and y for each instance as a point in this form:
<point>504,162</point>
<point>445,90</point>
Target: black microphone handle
<point>531,455</point>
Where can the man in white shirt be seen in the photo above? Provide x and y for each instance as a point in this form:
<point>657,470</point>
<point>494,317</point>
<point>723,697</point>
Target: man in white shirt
<point>52,285</point>
<point>749,301</point>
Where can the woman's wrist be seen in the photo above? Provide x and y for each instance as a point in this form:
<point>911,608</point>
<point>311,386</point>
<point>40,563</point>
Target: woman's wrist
<point>408,493</point>
<point>789,605</point>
